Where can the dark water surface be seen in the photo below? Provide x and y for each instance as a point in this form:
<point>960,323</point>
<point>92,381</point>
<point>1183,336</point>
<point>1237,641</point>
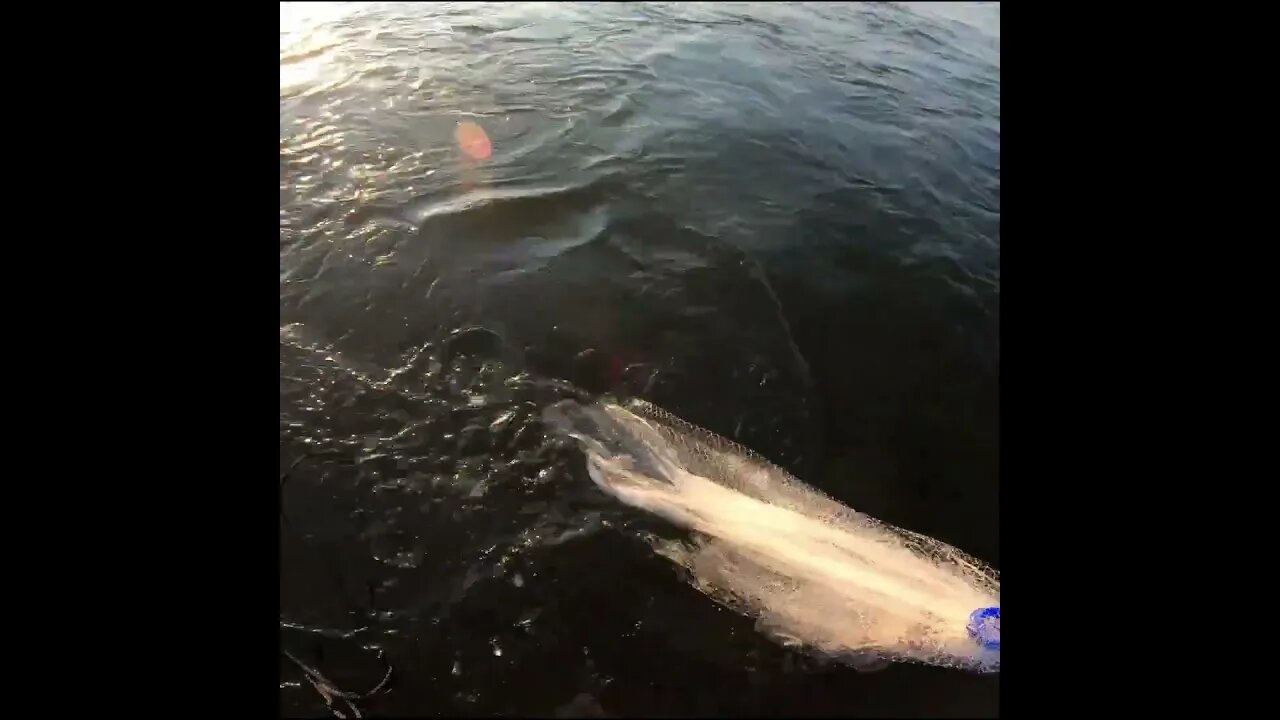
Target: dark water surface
<point>781,222</point>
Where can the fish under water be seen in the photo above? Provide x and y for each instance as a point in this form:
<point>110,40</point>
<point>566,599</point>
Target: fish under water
<point>811,571</point>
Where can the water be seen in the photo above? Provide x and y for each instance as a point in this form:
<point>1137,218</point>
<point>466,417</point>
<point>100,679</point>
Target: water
<point>779,222</point>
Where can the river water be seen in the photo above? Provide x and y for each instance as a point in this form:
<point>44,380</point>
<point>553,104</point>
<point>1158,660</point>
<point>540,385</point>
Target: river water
<point>781,222</point>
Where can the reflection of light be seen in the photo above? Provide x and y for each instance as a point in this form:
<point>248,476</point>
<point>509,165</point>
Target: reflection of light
<point>305,63</point>
<point>298,17</point>
<point>299,73</point>
<point>304,42</point>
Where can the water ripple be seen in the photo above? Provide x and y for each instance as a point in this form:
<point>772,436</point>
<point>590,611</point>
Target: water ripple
<point>736,210</point>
